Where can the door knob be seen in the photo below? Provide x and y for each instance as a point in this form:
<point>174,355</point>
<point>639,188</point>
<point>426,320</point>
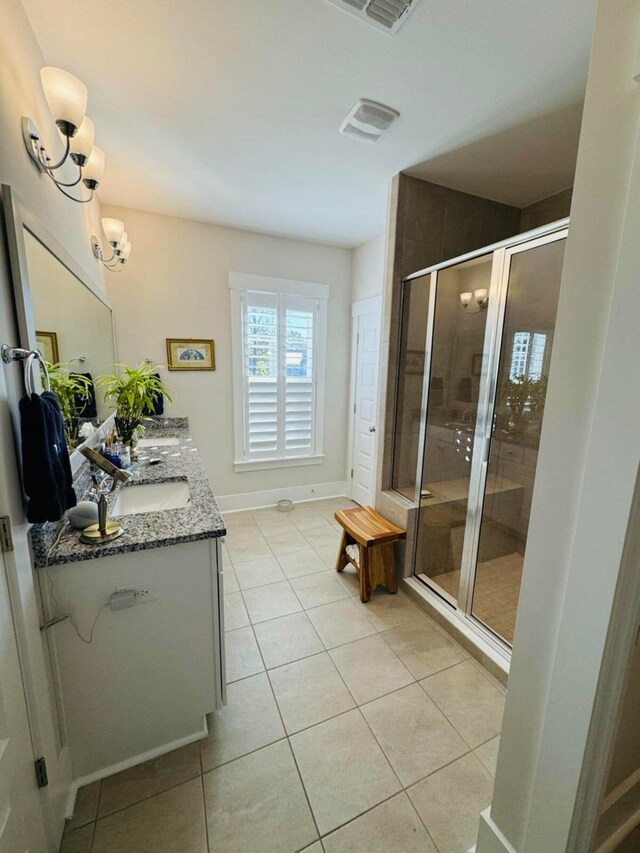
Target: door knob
<point>372,429</point>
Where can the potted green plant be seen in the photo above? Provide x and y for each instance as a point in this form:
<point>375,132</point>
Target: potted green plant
<point>539,394</point>
<point>517,393</point>
<point>72,390</point>
<point>134,391</point>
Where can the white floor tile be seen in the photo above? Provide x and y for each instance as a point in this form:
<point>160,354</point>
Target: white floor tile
<point>344,771</point>
<point>391,826</point>
<point>309,691</point>
<point>370,668</point>
<point>287,639</point>
<point>258,803</point>
<point>339,623</point>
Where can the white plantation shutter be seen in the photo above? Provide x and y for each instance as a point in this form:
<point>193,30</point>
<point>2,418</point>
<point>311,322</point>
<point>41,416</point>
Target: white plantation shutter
<point>280,340</point>
<point>260,368</point>
<point>299,314</point>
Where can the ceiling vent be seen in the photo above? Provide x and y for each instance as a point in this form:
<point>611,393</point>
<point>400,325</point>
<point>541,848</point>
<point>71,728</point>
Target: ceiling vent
<point>385,15</point>
<point>367,120</point>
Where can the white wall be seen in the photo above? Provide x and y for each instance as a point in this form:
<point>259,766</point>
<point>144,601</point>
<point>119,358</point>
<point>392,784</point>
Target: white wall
<point>368,268</point>
<point>587,467</point>
<point>176,286</point>
<point>21,94</point>
<point>72,226</point>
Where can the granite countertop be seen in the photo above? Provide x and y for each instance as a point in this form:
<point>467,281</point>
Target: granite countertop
<point>201,519</point>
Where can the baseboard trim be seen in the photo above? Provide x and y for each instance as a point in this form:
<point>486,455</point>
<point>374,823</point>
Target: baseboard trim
<point>490,838</point>
<point>131,762</point>
<point>270,497</point>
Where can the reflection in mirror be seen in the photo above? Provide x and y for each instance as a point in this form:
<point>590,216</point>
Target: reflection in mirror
<point>73,328</point>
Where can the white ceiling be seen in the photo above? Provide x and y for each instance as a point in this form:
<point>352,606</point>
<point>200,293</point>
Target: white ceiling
<point>227,111</point>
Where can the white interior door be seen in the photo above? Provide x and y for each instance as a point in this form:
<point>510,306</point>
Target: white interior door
<point>21,821</point>
<point>367,322</point>
<point>39,678</point>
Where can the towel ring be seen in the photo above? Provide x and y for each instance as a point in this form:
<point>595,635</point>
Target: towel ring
<point>34,357</point>
<point>10,354</point>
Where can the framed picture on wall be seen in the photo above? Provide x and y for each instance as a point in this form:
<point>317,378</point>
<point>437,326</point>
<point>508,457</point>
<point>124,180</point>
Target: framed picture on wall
<point>190,354</point>
<point>47,343</point>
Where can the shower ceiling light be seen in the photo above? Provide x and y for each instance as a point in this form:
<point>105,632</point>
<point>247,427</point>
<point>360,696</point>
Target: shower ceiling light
<point>480,297</point>
<point>118,243</point>
<point>67,99</point>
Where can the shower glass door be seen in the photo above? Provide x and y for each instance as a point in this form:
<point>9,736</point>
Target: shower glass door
<point>486,368</point>
<point>455,346</point>
<point>530,291</point>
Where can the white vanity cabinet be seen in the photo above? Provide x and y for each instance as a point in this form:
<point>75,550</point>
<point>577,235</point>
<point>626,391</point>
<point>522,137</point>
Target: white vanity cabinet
<point>144,677</point>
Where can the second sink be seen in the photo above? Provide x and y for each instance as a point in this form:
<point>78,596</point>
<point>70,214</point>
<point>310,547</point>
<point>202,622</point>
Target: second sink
<point>170,441</point>
<point>151,497</point>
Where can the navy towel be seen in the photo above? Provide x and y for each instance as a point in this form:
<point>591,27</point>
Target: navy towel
<point>158,403</point>
<point>46,471</point>
<point>86,406</point>
<point>464,389</point>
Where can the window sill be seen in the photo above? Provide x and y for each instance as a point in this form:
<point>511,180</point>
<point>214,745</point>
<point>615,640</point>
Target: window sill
<point>288,462</point>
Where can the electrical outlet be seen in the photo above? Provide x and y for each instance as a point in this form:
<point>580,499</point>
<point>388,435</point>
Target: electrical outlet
<point>142,591</point>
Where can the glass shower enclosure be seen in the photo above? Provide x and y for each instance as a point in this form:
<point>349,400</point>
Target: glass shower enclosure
<point>475,349</point>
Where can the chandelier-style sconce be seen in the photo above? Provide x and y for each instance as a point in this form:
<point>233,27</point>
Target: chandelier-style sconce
<point>67,99</point>
<point>479,297</point>
<point>118,243</point>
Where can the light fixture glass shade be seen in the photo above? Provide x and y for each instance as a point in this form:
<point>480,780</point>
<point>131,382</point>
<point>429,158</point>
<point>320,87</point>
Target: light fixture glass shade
<point>480,294</point>
<point>126,251</point>
<point>113,229</point>
<point>94,170</point>
<point>122,242</point>
<point>82,142</point>
<point>66,96</point>
<point>466,298</point>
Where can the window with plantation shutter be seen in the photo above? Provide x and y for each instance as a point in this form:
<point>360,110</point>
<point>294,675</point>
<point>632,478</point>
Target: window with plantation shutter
<point>278,370</point>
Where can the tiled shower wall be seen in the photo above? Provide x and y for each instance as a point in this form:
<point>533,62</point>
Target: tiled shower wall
<point>429,223</point>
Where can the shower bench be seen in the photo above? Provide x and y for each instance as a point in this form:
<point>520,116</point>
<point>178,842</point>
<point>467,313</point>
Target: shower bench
<point>367,543</point>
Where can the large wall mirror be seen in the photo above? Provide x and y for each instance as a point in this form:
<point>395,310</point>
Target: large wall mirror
<point>61,312</point>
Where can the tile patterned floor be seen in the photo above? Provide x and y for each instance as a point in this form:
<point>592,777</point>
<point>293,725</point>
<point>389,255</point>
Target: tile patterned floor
<point>496,595</point>
<point>348,727</point>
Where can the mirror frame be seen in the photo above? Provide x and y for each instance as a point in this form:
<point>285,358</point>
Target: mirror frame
<point>18,218</point>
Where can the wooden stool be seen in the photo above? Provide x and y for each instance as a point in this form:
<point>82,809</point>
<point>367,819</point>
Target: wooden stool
<point>374,536</point>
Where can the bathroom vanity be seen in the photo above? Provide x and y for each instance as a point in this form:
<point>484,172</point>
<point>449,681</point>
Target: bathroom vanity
<point>139,681</point>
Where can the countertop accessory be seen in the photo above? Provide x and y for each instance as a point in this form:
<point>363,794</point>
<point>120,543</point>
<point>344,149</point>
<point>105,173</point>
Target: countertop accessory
<point>105,530</point>
<point>83,515</point>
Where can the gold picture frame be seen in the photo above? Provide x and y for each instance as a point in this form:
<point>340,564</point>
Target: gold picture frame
<point>191,354</point>
<point>47,343</point>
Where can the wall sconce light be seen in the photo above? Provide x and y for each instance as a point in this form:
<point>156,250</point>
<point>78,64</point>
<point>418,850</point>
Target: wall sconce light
<point>67,99</point>
<point>480,297</point>
<point>118,243</point>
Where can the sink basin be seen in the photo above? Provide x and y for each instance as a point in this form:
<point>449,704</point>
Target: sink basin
<point>159,442</point>
<point>151,497</point>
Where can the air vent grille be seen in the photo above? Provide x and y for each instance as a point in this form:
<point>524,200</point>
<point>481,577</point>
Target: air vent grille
<point>385,15</point>
<point>367,120</point>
